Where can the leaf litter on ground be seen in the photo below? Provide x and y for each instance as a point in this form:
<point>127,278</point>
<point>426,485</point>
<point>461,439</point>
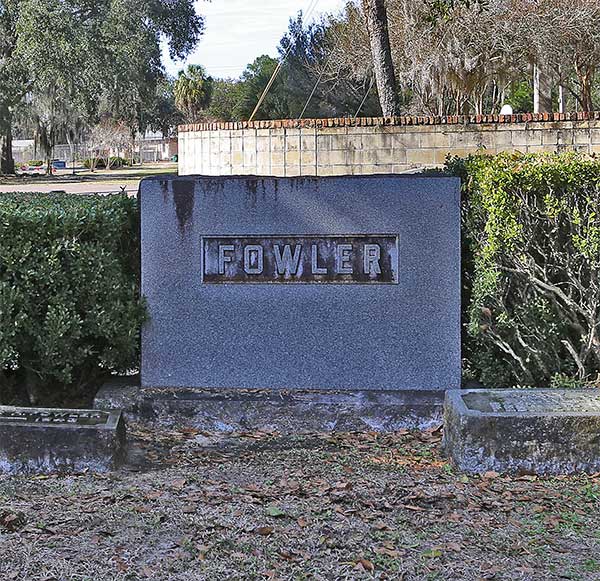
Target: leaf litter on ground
<point>195,505</point>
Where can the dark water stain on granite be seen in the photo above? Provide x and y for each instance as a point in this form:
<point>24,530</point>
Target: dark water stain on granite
<point>252,187</point>
<point>164,187</point>
<point>183,198</point>
<point>302,182</point>
<point>213,186</point>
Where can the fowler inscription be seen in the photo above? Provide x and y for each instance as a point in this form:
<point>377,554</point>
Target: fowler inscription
<point>361,259</point>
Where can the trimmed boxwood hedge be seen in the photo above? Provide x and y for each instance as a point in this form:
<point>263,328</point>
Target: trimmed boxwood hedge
<point>531,264</point>
<point>70,312</point>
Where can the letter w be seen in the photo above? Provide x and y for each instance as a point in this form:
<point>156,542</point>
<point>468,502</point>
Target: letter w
<point>286,263</point>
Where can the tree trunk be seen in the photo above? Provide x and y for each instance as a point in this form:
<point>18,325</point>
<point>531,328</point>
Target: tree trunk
<point>377,28</point>
<point>7,162</point>
<point>542,90</point>
<point>585,74</point>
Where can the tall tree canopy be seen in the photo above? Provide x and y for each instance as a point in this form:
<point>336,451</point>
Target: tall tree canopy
<point>253,82</point>
<point>468,56</point>
<point>448,57</point>
<point>83,58</point>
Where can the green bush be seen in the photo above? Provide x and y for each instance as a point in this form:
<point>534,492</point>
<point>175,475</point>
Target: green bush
<point>531,252</point>
<point>117,162</point>
<point>70,312</point>
<point>95,162</point>
<point>100,162</point>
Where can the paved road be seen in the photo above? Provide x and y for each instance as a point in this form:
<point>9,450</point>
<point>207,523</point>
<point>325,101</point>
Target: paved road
<point>131,187</point>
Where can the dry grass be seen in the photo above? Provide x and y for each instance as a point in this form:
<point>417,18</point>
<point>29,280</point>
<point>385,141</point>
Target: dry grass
<point>256,506</point>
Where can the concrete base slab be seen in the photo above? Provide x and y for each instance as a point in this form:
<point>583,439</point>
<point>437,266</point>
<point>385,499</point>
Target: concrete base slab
<point>41,441</point>
<point>283,411</point>
<point>527,431</point>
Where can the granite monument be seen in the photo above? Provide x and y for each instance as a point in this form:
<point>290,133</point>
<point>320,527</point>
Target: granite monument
<point>345,285</point>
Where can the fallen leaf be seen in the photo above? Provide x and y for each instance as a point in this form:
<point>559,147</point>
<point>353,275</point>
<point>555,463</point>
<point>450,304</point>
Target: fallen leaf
<point>12,521</point>
<point>527,478</point>
<point>413,507</point>
<point>264,531</point>
<point>490,475</point>
<point>381,526</point>
<point>454,547</point>
<point>121,565</point>
<point>275,512</point>
<point>393,553</point>
<point>365,564</point>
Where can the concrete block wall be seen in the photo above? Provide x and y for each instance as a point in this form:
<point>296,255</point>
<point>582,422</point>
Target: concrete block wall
<point>371,145</point>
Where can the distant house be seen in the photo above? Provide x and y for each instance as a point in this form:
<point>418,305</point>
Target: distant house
<point>23,150</point>
<point>155,147</point>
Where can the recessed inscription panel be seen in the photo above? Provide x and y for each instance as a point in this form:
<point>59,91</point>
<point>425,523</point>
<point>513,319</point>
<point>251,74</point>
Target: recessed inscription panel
<point>360,259</point>
<point>25,416</point>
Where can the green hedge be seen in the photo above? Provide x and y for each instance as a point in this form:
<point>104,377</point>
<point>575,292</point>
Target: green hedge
<point>70,312</point>
<point>531,263</point>
<point>100,162</point>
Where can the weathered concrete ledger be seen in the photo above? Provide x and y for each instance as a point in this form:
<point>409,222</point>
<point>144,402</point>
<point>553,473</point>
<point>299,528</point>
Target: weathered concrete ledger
<point>35,440</point>
<point>537,431</point>
<point>283,411</point>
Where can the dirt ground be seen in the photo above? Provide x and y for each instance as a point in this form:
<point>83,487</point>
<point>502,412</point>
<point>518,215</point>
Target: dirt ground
<point>193,506</point>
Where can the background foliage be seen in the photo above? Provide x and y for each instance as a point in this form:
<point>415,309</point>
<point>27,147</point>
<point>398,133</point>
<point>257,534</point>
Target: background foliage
<point>67,64</point>
<point>69,295</point>
<point>531,242</point>
<point>450,57</point>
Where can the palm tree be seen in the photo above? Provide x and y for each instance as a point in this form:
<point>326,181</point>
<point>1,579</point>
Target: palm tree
<point>193,92</point>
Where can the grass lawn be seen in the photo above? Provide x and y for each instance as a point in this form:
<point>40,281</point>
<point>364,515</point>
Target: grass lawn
<point>192,506</point>
<point>100,175</point>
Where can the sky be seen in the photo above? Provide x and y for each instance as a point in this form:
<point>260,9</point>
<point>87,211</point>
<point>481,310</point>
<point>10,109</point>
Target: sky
<point>238,31</point>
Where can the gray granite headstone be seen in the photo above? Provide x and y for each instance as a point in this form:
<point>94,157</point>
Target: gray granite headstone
<point>345,283</point>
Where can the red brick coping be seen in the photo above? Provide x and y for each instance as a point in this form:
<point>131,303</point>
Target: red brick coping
<point>391,121</point>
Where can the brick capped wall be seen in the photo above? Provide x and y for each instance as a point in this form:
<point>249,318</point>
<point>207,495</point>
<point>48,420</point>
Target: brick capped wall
<point>344,146</point>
